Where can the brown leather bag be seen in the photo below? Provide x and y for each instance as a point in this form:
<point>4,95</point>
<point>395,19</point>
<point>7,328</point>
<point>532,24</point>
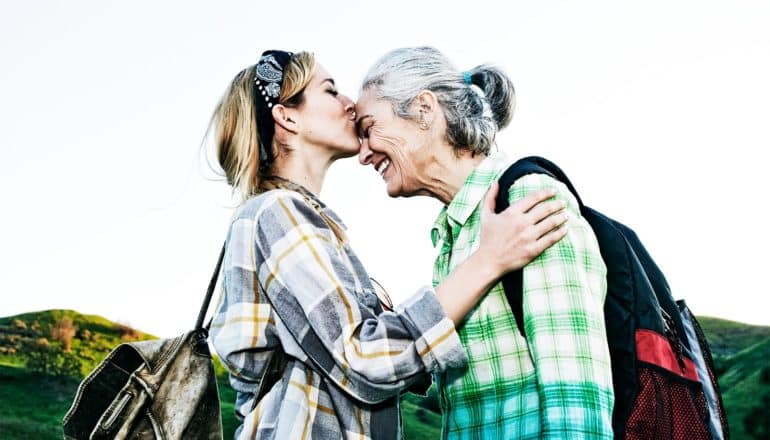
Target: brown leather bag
<point>159,389</point>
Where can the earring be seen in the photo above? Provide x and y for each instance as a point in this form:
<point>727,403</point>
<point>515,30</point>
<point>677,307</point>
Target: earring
<point>423,125</point>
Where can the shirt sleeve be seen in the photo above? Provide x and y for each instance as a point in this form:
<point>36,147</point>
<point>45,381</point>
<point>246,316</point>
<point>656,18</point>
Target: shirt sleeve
<point>563,305</point>
<point>311,284</point>
<point>243,331</point>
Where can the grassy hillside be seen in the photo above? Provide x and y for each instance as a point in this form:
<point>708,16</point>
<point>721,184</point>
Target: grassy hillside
<point>63,341</point>
<point>746,388</point>
<point>727,338</point>
<point>51,392</point>
<point>741,352</point>
<point>32,401</point>
<point>94,323</point>
<point>32,405</point>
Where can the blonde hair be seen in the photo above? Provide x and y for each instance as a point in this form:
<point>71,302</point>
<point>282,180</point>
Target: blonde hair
<point>236,135</point>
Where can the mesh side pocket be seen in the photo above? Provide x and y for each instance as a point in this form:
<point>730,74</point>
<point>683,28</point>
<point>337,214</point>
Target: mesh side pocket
<point>667,407</point>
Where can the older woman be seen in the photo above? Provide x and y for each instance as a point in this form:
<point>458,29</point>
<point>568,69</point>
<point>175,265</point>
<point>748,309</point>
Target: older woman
<point>428,129</point>
<point>294,289</point>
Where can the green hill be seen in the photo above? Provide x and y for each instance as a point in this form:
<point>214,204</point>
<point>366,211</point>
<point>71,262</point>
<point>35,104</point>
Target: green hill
<point>94,323</point>
<point>746,389</point>
<point>43,356</point>
<point>61,342</point>
<point>727,338</point>
<point>741,352</point>
<point>48,385</point>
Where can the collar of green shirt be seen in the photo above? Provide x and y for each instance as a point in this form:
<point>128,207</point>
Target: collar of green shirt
<point>469,196</point>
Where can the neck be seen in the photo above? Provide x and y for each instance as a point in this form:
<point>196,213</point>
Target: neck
<point>304,166</point>
<point>446,173</point>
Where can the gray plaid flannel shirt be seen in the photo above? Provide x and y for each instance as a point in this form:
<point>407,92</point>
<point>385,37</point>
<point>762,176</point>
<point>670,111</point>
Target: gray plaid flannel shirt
<point>288,281</point>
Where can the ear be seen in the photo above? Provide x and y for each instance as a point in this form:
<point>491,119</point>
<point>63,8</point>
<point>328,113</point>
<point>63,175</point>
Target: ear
<point>427,104</point>
<point>285,118</point>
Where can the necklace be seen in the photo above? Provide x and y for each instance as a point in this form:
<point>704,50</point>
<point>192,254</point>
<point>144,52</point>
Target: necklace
<point>276,182</point>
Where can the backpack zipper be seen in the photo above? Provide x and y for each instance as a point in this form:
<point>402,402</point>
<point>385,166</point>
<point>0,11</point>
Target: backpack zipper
<point>673,339</point>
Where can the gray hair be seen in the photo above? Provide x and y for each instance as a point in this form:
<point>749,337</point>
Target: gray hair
<point>474,112</point>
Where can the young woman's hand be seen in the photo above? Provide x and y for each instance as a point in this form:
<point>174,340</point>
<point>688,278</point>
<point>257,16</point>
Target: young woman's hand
<point>516,236</point>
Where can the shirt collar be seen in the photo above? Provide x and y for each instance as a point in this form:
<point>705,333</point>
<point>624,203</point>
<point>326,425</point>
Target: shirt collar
<point>312,198</point>
<point>469,196</point>
<point>326,210</point>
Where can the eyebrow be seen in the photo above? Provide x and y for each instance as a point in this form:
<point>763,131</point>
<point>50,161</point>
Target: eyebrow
<point>328,79</point>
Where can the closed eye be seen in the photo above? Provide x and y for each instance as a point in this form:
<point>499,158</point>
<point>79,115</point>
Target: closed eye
<point>363,131</point>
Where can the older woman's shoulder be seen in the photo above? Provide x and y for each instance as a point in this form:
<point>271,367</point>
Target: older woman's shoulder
<point>535,182</point>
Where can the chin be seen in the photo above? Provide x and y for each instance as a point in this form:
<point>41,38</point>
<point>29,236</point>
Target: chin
<point>394,191</point>
<point>344,154</point>
<point>345,151</point>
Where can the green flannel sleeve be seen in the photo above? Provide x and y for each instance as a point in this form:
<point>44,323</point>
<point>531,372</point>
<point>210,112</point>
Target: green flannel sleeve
<point>563,303</point>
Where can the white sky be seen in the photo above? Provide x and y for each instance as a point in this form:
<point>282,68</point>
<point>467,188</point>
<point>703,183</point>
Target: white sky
<point>658,110</point>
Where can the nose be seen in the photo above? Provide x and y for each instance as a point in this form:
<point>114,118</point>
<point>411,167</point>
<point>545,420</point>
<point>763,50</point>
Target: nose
<point>349,105</point>
<point>365,155</point>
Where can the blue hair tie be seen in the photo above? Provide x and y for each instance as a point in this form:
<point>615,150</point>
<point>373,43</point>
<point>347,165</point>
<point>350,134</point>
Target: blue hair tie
<point>467,78</point>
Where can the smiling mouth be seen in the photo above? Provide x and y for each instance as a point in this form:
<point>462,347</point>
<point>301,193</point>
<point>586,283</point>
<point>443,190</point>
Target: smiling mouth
<point>382,166</point>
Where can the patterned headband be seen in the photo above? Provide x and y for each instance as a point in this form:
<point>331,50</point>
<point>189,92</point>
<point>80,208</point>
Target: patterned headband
<point>267,88</point>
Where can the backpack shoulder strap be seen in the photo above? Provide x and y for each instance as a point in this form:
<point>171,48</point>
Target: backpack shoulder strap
<point>531,165</point>
<point>210,292</point>
<point>512,282</point>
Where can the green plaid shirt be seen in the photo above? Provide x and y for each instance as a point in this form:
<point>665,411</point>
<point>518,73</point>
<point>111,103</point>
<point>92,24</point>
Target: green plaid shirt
<point>558,382</point>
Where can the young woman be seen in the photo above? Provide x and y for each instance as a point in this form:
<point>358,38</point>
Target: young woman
<point>294,288</point>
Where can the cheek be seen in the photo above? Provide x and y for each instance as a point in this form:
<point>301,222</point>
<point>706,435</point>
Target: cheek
<point>381,142</point>
<point>408,156</point>
<point>398,150</point>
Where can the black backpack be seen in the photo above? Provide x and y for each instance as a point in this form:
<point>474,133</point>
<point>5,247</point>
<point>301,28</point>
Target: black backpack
<point>663,374</point>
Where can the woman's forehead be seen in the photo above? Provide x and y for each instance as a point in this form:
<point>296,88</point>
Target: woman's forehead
<point>320,74</point>
<point>367,100</point>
